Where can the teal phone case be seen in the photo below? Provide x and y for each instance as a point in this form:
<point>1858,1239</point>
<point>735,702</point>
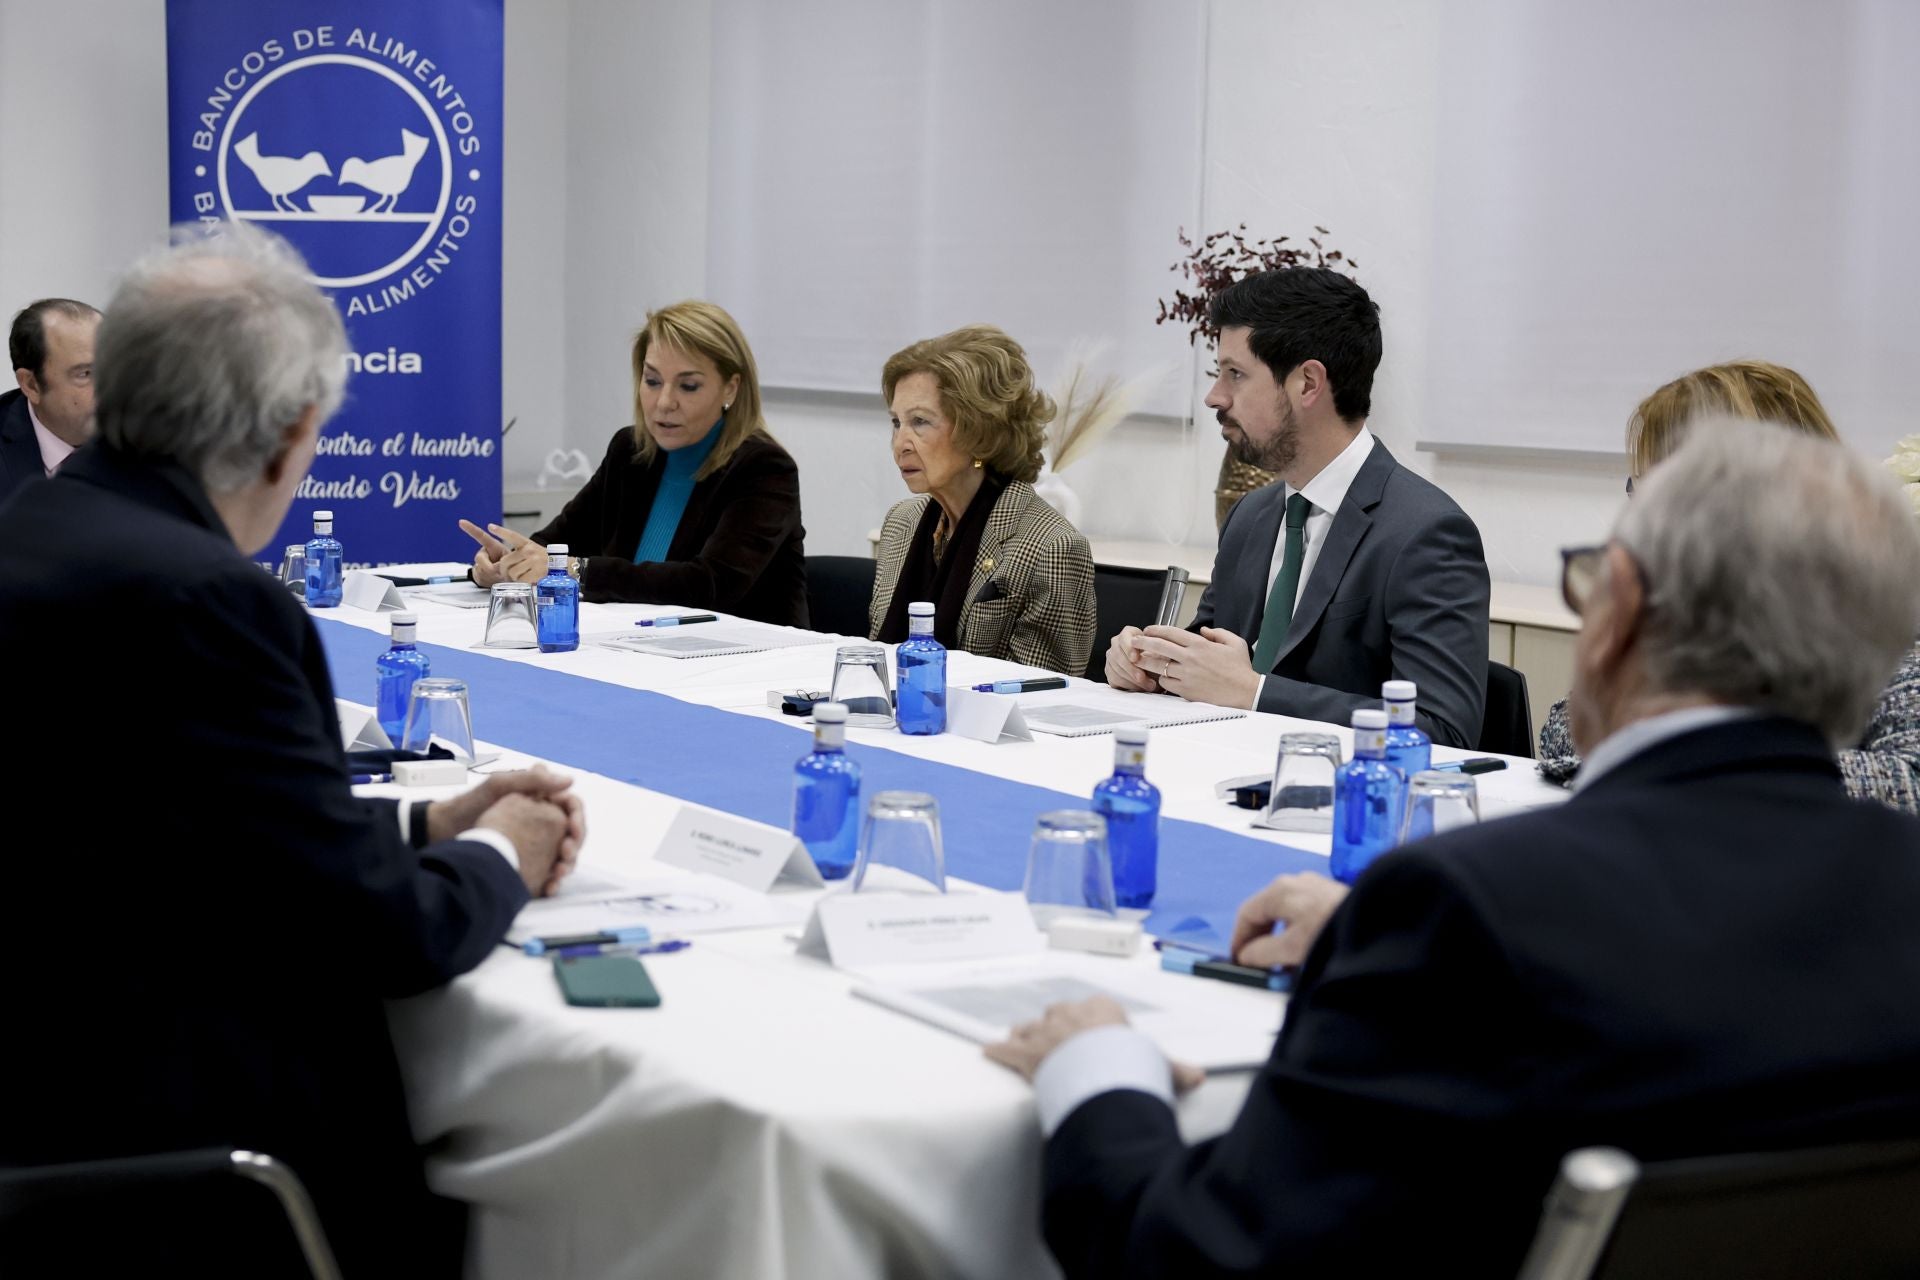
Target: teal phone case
<point>604,982</point>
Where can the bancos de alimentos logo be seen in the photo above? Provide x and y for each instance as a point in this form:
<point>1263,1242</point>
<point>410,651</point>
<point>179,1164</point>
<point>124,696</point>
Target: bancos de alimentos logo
<point>360,150</point>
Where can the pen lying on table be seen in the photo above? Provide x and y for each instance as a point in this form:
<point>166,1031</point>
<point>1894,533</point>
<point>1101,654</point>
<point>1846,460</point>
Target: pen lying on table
<point>680,620</point>
<point>1034,685</point>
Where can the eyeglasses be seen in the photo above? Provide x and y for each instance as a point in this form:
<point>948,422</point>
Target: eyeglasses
<point>1580,570</point>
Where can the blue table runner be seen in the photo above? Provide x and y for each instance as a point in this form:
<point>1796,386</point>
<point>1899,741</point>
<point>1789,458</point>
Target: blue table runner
<point>744,765</point>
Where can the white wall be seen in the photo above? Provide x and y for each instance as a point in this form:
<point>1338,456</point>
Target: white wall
<point>1317,112</point>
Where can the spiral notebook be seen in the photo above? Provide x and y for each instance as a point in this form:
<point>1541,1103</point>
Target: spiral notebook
<point>1085,713</point>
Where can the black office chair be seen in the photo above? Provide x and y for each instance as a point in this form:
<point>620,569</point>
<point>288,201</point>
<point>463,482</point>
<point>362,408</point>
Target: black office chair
<point>839,589</point>
<point>1507,726</point>
<point>1831,1211</point>
<point>1122,598</point>
<point>87,1193</point>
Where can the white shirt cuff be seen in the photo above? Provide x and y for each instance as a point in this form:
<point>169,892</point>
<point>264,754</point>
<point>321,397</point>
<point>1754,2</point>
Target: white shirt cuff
<point>1259,688</point>
<point>403,809</point>
<point>499,843</point>
<point>1096,1062</point>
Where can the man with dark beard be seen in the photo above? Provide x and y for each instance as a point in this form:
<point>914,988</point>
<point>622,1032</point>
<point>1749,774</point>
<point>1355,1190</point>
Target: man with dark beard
<point>1348,572</point>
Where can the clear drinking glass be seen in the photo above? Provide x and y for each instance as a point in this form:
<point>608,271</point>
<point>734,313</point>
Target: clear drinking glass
<point>437,715</point>
<point>860,684</point>
<point>1069,869</point>
<point>1301,796</point>
<point>511,618</point>
<point>1439,801</point>
<point>293,569</point>
<point>901,842</point>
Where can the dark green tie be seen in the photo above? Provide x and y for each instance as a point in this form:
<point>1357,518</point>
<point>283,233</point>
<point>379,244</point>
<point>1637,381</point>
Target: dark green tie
<point>1273,624</point>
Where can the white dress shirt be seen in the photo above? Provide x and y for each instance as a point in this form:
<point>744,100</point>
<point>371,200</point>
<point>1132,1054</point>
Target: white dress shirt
<point>1326,491</point>
<point>53,450</point>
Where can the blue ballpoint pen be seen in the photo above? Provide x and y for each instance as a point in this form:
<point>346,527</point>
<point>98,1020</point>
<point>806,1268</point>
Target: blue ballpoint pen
<point>359,778</point>
<point>678,621</point>
<point>1021,686</point>
<point>632,936</point>
<point>623,948</point>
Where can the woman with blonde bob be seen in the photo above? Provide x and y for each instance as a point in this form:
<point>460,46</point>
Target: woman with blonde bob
<point>695,504</point>
<point>1885,766</point>
<point>1007,575</point>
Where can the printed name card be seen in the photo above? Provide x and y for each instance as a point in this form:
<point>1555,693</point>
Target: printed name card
<point>751,854</point>
<point>860,930</point>
<point>359,730</point>
<point>370,591</point>
<point>985,717</point>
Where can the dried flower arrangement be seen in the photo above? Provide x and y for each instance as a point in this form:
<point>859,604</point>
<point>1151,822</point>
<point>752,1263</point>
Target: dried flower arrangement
<point>1212,264</point>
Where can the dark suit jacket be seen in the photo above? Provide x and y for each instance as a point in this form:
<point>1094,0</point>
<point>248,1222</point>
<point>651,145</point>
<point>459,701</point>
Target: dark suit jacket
<point>19,452</point>
<point>1710,950</point>
<point>739,547</point>
<point>204,930</point>
<point>1399,592</point>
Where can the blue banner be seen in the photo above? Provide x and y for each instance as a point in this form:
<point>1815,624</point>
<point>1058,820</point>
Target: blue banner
<point>368,134</point>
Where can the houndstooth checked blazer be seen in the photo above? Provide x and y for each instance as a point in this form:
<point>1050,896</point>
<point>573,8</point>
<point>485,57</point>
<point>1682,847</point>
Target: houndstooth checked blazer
<point>1031,596</point>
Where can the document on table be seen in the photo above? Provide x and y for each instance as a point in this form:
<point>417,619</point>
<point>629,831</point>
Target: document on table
<point>1080,713</point>
<point>461,595</point>
<point>668,904</point>
<point>1214,1025</point>
<point>703,640</point>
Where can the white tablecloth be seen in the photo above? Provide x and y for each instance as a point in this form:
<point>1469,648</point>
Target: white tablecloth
<point>761,1122</point>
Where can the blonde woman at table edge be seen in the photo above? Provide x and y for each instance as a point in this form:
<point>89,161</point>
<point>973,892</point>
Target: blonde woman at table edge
<point>695,504</point>
<point>1885,764</point>
<point>1008,576</point>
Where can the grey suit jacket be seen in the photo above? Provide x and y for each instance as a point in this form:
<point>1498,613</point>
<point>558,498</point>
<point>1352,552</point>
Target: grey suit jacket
<point>1400,592</point>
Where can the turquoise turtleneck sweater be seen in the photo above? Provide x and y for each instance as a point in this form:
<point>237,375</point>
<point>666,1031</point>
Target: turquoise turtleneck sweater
<point>670,503</point>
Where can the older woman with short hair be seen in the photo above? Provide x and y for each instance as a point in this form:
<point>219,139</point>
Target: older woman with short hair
<point>1885,764</point>
<point>1008,576</point>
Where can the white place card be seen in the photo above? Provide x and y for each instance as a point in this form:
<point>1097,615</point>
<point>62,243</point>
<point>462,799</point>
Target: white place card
<point>359,730</point>
<point>985,717</point>
<point>860,930</point>
<point>371,592</point>
<point>751,854</point>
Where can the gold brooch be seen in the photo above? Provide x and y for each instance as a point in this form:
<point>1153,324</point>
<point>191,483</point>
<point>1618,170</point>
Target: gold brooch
<point>986,565</point>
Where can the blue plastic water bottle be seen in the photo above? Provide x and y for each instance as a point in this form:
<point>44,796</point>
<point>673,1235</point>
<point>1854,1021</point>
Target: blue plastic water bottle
<point>920,699</point>
<point>1368,796</point>
<point>1131,806</point>
<point>394,674</point>
<point>556,604</point>
<point>1409,749</point>
<point>323,563</point>
<point>826,795</point>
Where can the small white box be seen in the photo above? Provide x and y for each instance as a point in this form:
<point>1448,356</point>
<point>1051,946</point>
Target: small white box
<point>430,773</point>
<point>1103,937</point>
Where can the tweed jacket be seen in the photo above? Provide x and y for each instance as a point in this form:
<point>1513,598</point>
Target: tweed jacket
<point>1884,767</point>
<point>1031,596</point>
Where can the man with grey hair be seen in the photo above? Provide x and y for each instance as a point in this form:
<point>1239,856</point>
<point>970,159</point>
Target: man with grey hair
<point>245,914</point>
<point>1708,949</point>
<point>49,413</point>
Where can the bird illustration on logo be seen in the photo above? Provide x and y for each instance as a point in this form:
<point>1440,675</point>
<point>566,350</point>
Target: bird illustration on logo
<point>282,177</point>
<point>388,176</point>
